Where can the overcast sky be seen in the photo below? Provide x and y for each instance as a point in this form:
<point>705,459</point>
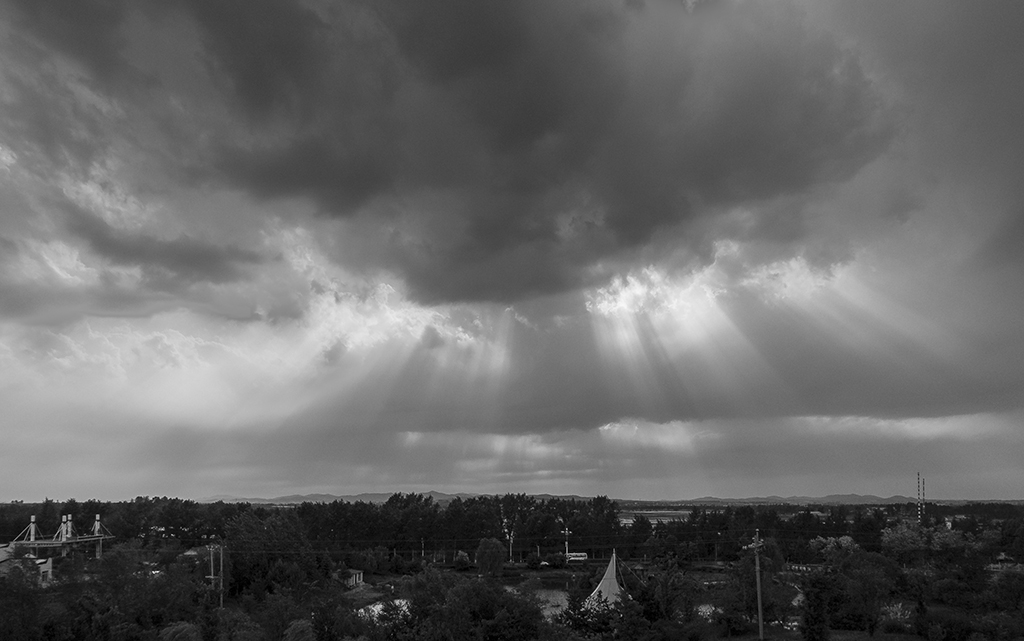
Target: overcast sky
<point>647,249</point>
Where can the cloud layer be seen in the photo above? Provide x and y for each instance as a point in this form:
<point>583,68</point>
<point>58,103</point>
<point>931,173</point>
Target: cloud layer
<point>458,244</point>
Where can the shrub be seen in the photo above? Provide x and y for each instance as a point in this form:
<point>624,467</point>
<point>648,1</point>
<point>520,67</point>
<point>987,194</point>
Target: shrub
<point>688,631</point>
<point>814,625</point>
<point>299,630</point>
<point>892,626</point>
<point>1000,626</point>
<point>181,631</point>
<point>533,561</point>
<point>944,625</point>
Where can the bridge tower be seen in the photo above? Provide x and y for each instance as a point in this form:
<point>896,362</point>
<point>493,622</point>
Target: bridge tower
<point>98,531</point>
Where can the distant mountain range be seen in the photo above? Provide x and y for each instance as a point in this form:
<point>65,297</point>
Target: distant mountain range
<point>831,499</point>
<point>443,498</point>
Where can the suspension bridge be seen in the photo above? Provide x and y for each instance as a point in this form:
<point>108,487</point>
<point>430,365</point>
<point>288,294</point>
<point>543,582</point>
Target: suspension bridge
<point>65,538</point>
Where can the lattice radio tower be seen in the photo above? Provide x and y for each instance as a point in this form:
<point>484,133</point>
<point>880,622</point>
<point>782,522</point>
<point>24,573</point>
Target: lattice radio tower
<point>920,499</point>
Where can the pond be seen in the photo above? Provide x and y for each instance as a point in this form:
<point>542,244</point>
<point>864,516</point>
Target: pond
<point>552,601</point>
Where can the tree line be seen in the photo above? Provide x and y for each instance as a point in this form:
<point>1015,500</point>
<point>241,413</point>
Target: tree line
<point>867,568</point>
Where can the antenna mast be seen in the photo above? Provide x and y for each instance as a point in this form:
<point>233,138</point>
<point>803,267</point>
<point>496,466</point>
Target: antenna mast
<point>921,512</point>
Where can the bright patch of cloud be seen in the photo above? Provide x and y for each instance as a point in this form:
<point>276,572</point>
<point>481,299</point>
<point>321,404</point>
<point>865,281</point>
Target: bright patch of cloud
<point>676,436</point>
<point>652,291</point>
<point>103,194</point>
<point>792,279</point>
<point>54,261</point>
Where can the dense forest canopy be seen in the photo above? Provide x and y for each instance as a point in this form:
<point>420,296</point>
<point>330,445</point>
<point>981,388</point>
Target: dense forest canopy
<point>285,569</point>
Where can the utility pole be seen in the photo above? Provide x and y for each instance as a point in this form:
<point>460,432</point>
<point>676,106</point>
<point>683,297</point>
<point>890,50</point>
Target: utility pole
<point>756,547</point>
<point>212,577</point>
<point>222,575</point>
<point>566,533</point>
<point>217,581</point>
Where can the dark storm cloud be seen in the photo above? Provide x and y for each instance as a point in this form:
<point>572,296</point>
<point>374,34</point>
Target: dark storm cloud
<point>326,170</point>
<point>50,124</point>
<point>517,112</point>
<point>746,105</point>
<point>1008,244</point>
<point>959,65</point>
<point>520,117</point>
<point>8,249</point>
<point>87,30</point>
<point>59,306</point>
<point>274,52</point>
<point>323,87</point>
<point>54,304</point>
<point>183,259</point>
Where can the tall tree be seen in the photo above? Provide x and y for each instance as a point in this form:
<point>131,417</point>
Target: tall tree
<point>490,557</point>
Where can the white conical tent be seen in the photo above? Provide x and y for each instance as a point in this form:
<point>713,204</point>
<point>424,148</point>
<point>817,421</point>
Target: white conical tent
<point>608,588</point>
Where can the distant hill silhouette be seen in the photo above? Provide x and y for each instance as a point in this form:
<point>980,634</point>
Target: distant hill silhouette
<point>365,497</point>
<point>444,498</point>
<point>831,499</point>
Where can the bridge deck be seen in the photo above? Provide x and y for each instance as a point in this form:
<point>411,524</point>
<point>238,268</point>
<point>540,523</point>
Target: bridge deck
<point>49,543</point>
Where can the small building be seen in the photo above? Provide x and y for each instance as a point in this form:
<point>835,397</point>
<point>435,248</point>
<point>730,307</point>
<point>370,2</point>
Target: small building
<point>1005,563</point>
<point>45,567</point>
<point>34,568</point>
<point>804,568</point>
<point>354,578</point>
<point>350,578</point>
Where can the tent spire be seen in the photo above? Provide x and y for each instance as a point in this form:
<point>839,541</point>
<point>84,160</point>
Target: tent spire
<point>608,588</point>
